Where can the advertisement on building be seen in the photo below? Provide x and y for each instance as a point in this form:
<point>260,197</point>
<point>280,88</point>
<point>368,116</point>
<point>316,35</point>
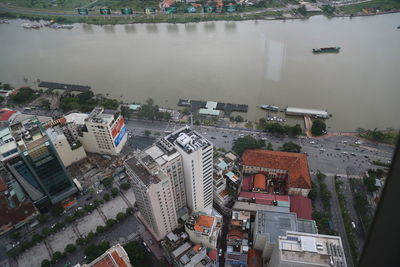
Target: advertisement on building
<point>120,136</point>
<point>117,128</point>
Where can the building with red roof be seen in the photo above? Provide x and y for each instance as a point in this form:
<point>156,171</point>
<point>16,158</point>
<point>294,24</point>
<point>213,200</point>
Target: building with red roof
<point>265,199</point>
<point>259,181</point>
<point>302,206</point>
<point>6,116</point>
<point>116,256</point>
<point>292,168</point>
<point>254,258</point>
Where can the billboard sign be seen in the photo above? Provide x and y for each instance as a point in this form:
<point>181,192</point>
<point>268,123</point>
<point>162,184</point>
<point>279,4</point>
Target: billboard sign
<point>190,9</point>
<point>209,9</point>
<point>83,11</point>
<point>105,11</point>
<point>231,8</point>
<point>120,136</point>
<point>170,10</point>
<point>117,127</point>
<point>149,10</point>
<point>127,11</point>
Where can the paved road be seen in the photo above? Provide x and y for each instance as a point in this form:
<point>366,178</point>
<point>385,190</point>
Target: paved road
<point>337,219</point>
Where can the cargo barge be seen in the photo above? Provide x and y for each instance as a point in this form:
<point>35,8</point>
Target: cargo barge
<point>335,49</point>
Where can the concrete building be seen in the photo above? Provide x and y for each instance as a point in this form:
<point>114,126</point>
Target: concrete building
<point>296,249</point>
<point>29,154</point>
<point>197,159</point>
<point>115,256</point>
<point>7,116</point>
<point>187,255</point>
<point>268,227</point>
<point>170,161</point>
<point>204,229</point>
<point>275,171</point>
<point>68,152</point>
<point>102,131</point>
<point>154,193</point>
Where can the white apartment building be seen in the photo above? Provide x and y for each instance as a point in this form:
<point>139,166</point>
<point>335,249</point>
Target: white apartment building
<point>170,161</point>
<point>68,152</point>
<point>197,159</point>
<point>313,250</point>
<point>154,193</point>
<point>102,131</point>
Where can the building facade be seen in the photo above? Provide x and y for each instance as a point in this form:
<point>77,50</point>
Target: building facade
<point>154,194</point>
<point>34,162</point>
<point>170,161</point>
<point>197,159</point>
<point>204,229</point>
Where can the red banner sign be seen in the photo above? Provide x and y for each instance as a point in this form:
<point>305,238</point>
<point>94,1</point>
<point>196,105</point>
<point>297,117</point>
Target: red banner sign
<point>117,127</point>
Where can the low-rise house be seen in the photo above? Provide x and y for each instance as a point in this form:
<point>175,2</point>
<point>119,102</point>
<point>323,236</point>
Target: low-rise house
<point>204,229</point>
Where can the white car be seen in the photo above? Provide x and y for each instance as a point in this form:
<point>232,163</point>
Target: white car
<point>312,142</point>
<point>353,225</point>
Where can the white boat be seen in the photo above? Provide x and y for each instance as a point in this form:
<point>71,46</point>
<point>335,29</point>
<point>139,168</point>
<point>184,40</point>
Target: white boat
<point>269,107</point>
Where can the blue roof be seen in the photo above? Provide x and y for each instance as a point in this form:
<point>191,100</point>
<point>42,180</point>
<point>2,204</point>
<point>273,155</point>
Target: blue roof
<point>222,165</point>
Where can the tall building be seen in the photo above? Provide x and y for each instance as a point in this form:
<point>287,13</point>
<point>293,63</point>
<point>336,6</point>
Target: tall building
<point>197,159</point>
<point>301,250</point>
<point>31,157</point>
<point>102,131</point>
<point>154,193</point>
<point>170,161</point>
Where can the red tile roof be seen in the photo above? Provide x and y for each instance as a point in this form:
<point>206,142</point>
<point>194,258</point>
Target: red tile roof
<point>254,258</point>
<point>247,182</point>
<point>6,113</point>
<point>301,206</point>
<point>223,193</point>
<point>295,163</point>
<point>206,221</point>
<point>259,181</point>
<point>213,254</point>
<point>235,234</point>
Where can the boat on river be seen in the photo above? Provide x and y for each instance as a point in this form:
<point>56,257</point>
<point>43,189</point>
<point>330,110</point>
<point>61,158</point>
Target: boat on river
<point>334,49</point>
<point>269,107</point>
<point>4,21</point>
<point>61,26</point>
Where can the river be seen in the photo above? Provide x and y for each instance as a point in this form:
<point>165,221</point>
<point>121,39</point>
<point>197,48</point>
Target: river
<point>247,62</point>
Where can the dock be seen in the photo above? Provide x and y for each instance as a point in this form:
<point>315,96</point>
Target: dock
<point>308,125</point>
<point>316,113</point>
<point>64,86</point>
<point>227,108</point>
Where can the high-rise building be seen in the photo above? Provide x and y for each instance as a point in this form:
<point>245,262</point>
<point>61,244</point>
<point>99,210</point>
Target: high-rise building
<point>102,131</point>
<point>170,161</point>
<point>154,193</point>
<point>31,157</point>
<point>197,159</point>
<point>301,249</point>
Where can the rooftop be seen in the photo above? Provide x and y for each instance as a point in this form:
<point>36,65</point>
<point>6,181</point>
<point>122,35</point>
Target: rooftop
<point>77,118</point>
<point>254,258</point>
<point>295,163</point>
<point>161,152</point>
<point>307,111</point>
<point>28,133</point>
<point>315,249</point>
<point>5,114</point>
<point>188,139</point>
<point>254,207</point>
<point>274,224</point>
<point>142,172</point>
<point>103,116</point>
<point>301,206</point>
<point>259,181</point>
<point>116,256</point>
<point>265,199</point>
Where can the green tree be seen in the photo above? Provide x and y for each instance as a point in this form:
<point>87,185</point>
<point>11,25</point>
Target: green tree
<point>114,192</point>
<point>369,182</point>
<point>318,127</point>
<point>135,252</point>
<point>110,223</point>
<point>45,263</point>
<point>46,231</point>
<point>291,147</point>
<point>42,218</point>
<point>269,146</point>
<point>313,194</point>
<point>246,142</point>
<point>7,87</point>
<point>45,103</point>
<point>100,229</point>
<point>37,238</point>
<point>80,241</point>
<point>147,133</point>
<point>94,251</point>
<point>12,252</point>
<point>239,118</point>
<point>69,219</point>
<point>57,256</point>
<point>125,186</point>
<point>120,216</point>
<point>24,95</point>
<point>107,182</point>
<point>106,197</point>
<point>56,210</point>
<point>90,236</point>
<point>129,210</point>
<point>70,248</point>
<point>295,130</point>
<point>1,99</point>
<point>84,97</point>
